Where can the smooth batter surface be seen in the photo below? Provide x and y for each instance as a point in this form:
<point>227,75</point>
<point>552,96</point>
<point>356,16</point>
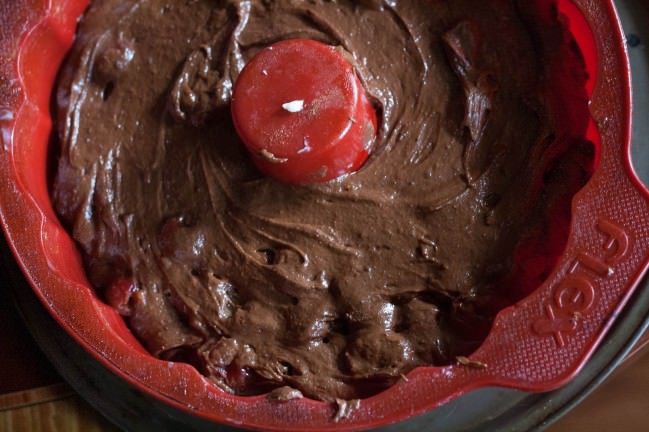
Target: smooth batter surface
<point>335,289</point>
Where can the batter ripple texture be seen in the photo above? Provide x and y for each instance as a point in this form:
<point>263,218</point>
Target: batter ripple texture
<point>336,289</point>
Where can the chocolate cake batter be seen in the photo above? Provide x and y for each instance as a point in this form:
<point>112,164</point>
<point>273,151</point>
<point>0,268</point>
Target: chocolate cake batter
<point>338,289</point>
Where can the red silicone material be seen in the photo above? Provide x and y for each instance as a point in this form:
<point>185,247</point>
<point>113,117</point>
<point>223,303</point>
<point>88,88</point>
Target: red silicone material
<point>332,133</point>
<point>537,344</point>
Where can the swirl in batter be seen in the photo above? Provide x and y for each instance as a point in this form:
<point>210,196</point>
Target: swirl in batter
<point>337,289</point>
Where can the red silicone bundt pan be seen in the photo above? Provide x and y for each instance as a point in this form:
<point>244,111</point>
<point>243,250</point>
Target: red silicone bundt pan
<point>538,344</point>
